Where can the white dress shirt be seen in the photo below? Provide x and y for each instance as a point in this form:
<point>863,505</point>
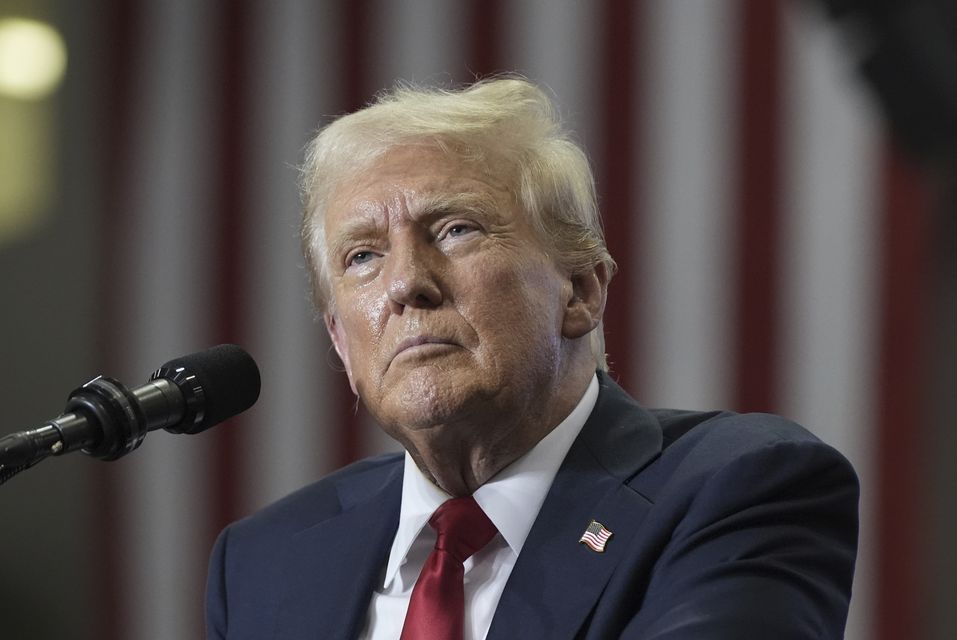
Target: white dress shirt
<point>511,500</point>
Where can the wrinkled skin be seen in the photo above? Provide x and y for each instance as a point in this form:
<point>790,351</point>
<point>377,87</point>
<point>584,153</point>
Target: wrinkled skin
<point>463,338</point>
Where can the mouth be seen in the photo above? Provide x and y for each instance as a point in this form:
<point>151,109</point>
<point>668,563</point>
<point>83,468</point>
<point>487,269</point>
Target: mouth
<point>421,344</point>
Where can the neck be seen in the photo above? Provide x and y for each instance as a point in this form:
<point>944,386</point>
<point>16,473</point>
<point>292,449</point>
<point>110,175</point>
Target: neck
<point>459,458</point>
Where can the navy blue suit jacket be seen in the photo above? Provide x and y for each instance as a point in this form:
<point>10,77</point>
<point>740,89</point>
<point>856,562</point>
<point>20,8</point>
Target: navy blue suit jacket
<point>725,526</point>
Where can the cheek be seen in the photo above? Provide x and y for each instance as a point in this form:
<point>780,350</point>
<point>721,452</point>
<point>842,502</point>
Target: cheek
<point>363,320</point>
<point>518,307</point>
<point>372,312</point>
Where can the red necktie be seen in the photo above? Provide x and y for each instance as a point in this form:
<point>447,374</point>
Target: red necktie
<point>437,608</point>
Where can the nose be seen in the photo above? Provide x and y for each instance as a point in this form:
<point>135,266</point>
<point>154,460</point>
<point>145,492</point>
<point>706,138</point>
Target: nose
<point>412,277</point>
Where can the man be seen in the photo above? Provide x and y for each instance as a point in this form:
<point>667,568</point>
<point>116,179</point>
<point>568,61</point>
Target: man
<point>458,261</point>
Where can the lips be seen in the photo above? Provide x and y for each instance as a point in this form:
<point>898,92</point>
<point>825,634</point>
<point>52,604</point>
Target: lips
<point>417,341</point>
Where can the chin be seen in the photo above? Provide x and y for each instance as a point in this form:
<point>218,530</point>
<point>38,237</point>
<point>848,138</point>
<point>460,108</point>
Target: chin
<point>430,397</point>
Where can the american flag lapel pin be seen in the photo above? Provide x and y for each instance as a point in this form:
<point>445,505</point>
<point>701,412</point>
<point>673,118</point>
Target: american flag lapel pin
<point>595,537</point>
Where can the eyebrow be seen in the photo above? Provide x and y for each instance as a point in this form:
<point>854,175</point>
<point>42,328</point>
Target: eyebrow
<point>435,205</point>
<point>424,209</point>
<point>360,226</point>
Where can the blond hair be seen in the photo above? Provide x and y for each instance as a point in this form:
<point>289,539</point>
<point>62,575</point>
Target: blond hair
<point>508,123</point>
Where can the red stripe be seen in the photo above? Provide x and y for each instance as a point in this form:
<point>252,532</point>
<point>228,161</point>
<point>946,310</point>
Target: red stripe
<point>231,219</point>
<point>902,414</point>
<point>617,175</point>
<point>484,56</point>
<point>356,65</point>
<point>123,28</point>
<point>758,207</point>
<point>356,92</point>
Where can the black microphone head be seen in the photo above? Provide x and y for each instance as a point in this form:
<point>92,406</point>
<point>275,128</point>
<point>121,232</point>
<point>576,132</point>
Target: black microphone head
<point>217,384</point>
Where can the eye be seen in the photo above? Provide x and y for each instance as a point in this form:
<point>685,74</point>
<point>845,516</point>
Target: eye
<point>457,230</point>
<point>359,257</point>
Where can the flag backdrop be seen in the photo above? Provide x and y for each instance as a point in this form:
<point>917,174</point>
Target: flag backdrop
<point>768,232</point>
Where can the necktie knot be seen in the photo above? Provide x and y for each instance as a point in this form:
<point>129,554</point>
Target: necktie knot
<point>437,606</point>
<point>462,527</point>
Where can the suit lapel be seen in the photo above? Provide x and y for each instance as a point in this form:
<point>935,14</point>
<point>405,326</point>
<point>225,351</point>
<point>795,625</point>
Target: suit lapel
<point>333,565</point>
<point>557,580</point>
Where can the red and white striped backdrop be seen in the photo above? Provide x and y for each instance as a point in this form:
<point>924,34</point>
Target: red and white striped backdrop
<point>769,239</point>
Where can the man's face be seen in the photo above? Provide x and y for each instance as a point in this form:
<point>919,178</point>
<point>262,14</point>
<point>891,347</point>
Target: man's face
<point>447,311</point>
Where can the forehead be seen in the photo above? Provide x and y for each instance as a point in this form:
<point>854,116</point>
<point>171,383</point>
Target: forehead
<point>412,178</point>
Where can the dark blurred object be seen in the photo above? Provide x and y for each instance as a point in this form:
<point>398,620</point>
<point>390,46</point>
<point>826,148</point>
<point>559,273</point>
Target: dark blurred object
<point>909,56</point>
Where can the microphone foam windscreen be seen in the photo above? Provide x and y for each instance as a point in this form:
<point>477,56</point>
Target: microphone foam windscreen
<point>229,378</point>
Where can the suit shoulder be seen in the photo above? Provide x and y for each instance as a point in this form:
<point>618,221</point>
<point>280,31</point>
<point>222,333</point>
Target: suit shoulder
<point>699,446</point>
<point>728,430</point>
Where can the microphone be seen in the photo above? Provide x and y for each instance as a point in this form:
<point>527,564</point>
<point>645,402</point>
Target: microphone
<point>107,420</point>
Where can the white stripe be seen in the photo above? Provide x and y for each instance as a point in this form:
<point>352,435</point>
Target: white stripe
<point>292,425</point>
<point>163,492</point>
<point>555,43</point>
<point>682,245</point>
<point>415,41</point>
<point>829,265</point>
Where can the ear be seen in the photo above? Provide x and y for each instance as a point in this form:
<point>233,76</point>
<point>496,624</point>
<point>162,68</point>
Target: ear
<point>587,303</point>
<point>339,342</point>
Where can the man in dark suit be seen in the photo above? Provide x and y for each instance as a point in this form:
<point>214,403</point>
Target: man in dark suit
<point>457,258</point>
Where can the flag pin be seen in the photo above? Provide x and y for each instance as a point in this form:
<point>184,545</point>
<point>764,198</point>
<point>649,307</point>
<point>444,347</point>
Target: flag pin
<point>595,536</point>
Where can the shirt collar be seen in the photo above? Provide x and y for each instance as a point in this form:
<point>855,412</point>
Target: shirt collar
<point>511,499</point>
